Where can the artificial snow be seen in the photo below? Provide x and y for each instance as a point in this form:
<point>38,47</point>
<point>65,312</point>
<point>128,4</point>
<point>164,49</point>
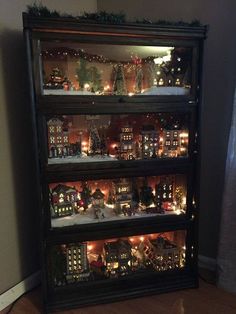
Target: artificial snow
<point>89,217</point>
<point>80,159</point>
<point>169,90</point>
<point>65,92</point>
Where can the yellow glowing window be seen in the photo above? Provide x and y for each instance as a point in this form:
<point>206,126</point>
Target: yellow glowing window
<point>52,139</point>
<point>58,128</point>
<point>51,129</point>
<point>59,139</point>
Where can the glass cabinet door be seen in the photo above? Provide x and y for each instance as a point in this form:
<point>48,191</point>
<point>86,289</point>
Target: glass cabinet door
<point>78,68</point>
<point>105,138</point>
<point>80,262</point>
<point>98,201</point>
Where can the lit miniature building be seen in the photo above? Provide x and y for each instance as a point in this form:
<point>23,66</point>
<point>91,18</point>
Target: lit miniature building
<point>58,138</point>
<point>126,143</point>
<point>175,142</point>
<point>183,142</point>
<point>149,141</point>
<point>164,193</point>
<point>162,254</point>
<point>64,201</point>
<point>122,194</point>
<point>117,258</point>
<point>77,263</point>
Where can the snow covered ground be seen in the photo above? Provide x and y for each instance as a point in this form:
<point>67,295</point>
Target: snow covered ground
<point>169,90</point>
<point>89,217</point>
<point>79,159</point>
<point>154,90</point>
<point>65,92</point>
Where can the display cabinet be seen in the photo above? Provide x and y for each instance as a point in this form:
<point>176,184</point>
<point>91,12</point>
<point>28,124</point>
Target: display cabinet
<point>115,109</point>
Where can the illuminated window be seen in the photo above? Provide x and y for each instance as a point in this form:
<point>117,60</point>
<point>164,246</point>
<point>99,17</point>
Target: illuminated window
<point>175,134</point>
<point>51,129</point>
<point>52,139</point>
<point>161,82</point>
<point>168,143</point>
<point>170,195</point>
<point>167,134</point>
<point>58,128</point>
<point>164,195</point>
<point>59,139</point>
<point>65,139</point>
<point>177,82</point>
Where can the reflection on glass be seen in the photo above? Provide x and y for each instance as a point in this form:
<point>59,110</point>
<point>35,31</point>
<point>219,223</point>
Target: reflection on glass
<point>97,201</point>
<point>104,69</point>
<point>97,138</point>
<point>110,259</point>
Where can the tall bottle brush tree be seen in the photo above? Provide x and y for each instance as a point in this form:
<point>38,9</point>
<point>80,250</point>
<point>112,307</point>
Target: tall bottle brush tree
<point>91,76</point>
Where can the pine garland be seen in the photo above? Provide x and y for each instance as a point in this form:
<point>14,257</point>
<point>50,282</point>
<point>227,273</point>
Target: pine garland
<point>38,10</point>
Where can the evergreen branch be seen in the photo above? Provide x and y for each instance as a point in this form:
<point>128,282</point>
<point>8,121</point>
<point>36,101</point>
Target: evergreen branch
<point>102,17</point>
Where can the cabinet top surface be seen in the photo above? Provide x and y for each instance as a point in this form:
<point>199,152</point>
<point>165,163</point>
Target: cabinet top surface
<point>68,25</point>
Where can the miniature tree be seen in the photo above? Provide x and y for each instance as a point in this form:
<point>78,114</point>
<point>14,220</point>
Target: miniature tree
<point>146,195</point>
<point>85,195</point>
<point>56,80</point>
<point>138,79</point>
<point>57,265</point>
<point>95,79</point>
<point>83,73</point>
<point>103,145</point>
<point>94,140</point>
<point>119,86</point>
<point>179,194</point>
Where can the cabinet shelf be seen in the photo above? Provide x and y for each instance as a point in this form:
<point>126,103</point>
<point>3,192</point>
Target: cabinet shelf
<point>74,105</point>
<point>73,172</point>
<point>118,228</point>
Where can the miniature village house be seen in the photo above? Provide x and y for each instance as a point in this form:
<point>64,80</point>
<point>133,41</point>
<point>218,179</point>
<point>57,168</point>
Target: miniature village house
<point>174,142</point>
<point>117,258</point>
<point>149,141</point>
<point>126,143</point>
<point>77,263</point>
<point>164,193</point>
<point>58,138</point>
<point>122,195</point>
<point>163,254</point>
<point>64,200</point>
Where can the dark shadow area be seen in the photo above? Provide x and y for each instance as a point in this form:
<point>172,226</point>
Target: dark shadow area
<point>23,159</point>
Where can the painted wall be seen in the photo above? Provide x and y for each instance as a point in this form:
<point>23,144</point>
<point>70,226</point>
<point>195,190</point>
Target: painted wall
<point>18,201</point>
<point>218,87</point>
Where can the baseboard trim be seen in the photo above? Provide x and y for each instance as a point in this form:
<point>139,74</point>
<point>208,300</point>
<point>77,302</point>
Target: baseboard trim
<point>18,290</point>
<point>207,262</point>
